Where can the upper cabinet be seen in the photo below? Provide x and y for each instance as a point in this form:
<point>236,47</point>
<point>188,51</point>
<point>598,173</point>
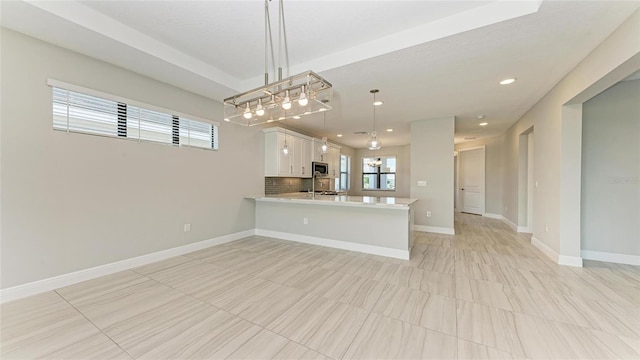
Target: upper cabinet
<point>297,163</point>
<point>302,151</point>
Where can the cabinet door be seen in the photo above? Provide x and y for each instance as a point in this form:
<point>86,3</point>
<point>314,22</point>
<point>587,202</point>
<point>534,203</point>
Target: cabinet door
<point>307,155</point>
<point>317,153</point>
<point>296,155</point>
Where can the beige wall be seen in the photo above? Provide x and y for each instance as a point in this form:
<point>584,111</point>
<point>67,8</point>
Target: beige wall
<point>71,201</point>
<point>493,171</point>
<point>432,161</point>
<point>611,171</point>
<point>403,171</point>
<point>557,140</point>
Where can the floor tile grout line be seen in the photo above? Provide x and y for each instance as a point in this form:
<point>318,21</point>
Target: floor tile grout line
<point>94,325</point>
<point>247,320</point>
<point>356,335</point>
<point>219,309</point>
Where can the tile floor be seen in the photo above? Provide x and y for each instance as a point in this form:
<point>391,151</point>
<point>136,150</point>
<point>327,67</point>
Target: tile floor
<point>484,293</point>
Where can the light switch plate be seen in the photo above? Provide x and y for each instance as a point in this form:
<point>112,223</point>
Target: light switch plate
<point>422,183</point>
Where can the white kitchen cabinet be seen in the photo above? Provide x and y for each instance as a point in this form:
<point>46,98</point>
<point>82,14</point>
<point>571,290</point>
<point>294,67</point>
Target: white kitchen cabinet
<point>300,157</point>
<point>297,163</point>
<point>332,157</point>
<point>333,160</point>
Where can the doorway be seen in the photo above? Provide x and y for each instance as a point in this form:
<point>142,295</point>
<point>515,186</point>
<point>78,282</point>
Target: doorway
<point>526,182</point>
<point>472,180</point>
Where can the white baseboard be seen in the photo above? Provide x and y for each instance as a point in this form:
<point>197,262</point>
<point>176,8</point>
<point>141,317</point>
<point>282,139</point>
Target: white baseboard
<point>506,221</point>
<point>610,257</point>
<point>344,245</point>
<point>493,216</point>
<point>40,286</point>
<point>558,259</point>
<point>570,260</point>
<point>435,229</point>
<point>524,229</point>
<point>545,249</point>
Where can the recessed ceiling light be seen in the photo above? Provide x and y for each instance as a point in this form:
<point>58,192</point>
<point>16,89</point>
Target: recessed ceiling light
<point>296,117</point>
<point>378,103</point>
<point>483,124</point>
<point>508,81</point>
<point>480,117</point>
<point>339,135</point>
<point>389,130</point>
<point>225,119</point>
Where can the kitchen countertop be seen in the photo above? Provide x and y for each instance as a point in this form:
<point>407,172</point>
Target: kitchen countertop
<point>340,200</point>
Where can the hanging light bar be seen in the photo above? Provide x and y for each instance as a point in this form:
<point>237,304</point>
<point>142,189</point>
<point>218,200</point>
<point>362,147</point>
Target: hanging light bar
<point>295,96</point>
<point>268,103</point>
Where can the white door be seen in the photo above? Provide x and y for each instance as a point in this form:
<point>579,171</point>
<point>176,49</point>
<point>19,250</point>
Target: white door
<point>472,180</point>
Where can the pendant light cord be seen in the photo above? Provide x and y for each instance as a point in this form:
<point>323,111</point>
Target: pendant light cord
<point>284,31</point>
<point>374,114</point>
<point>268,44</point>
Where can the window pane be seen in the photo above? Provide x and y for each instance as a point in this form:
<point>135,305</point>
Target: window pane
<point>344,181</point>
<point>388,181</point>
<point>384,174</point>
<point>369,181</point>
<point>388,164</point>
<point>365,166</point>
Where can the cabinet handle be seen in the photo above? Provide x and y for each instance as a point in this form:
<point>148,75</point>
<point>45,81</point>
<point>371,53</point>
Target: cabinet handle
<point>291,171</point>
<point>303,170</point>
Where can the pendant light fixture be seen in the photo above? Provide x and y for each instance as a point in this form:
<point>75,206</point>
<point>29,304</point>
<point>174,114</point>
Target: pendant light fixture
<point>297,95</point>
<point>285,148</point>
<point>324,147</point>
<point>374,143</point>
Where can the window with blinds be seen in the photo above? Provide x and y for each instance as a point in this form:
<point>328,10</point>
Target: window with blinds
<point>83,113</point>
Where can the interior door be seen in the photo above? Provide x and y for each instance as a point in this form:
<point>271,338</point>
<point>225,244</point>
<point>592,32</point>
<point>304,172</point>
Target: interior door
<point>472,181</point>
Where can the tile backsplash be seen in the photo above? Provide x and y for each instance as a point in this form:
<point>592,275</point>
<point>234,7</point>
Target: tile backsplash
<point>282,185</point>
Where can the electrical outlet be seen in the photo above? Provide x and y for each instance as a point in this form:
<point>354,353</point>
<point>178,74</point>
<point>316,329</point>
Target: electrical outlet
<point>428,213</point>
<point>187,227</point>
<point>305,221</point>
<point>422,183</point>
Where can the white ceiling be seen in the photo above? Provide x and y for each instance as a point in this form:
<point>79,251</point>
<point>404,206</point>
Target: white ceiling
<point>429,59</point>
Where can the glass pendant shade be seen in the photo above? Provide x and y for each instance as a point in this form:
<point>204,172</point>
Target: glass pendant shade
<point>374,143</point>
<point>285,150</point>
<point>324,147</point>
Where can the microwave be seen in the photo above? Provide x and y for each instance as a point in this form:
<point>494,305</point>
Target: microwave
<point>320,168</point>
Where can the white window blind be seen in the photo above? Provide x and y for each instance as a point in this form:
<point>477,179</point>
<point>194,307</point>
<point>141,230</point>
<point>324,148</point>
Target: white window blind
<point>77,112</point>
<point>89,114</point>
<point>198,134</point>
<point>149,125</point>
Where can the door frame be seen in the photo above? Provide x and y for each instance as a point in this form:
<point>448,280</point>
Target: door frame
<point>458,205</point>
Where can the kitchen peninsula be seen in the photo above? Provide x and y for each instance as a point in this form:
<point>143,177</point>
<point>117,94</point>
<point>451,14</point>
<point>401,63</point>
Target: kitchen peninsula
<point>375,225</point>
